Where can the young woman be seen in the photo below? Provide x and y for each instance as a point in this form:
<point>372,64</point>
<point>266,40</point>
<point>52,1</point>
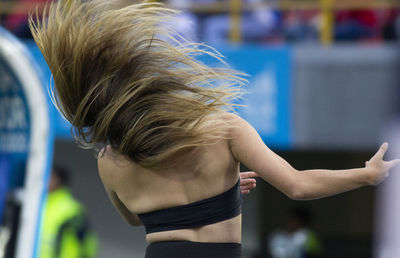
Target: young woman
<point>169,151</point>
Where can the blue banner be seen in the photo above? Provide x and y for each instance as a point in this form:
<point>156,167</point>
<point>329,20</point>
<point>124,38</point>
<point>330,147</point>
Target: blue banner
<point>14,127</point>
<point>61,128</point>
<point>267,99</point>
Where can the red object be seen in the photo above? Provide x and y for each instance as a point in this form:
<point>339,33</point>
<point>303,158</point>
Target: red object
<point>16,19</point>
<point>367,18</point>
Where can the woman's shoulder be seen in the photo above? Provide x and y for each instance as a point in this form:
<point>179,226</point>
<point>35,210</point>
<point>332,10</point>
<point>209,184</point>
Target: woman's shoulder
<point>111,165</point>
<point>226,117</point>
<point>233,122</point>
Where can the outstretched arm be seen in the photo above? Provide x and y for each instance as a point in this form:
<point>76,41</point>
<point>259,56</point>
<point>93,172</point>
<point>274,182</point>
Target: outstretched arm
<point>248,148</point>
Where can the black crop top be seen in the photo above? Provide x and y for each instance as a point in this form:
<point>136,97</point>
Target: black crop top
<point>205,212</point>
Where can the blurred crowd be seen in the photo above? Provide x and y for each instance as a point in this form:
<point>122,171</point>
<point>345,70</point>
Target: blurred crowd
<point>261,24</point>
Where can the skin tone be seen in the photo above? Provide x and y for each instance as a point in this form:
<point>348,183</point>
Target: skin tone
<point>249,149</point>
<point>54,182</point>
<point>247,181</point>
<point>134,190</point>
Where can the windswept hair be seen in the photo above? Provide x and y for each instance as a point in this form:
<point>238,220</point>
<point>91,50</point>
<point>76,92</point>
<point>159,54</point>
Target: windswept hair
<point>123,78</point>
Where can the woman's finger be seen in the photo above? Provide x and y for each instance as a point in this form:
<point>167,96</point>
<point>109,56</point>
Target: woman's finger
<point>247,181</point>
<point>248,186</point>
<point>245,191</point>
<point>248,174</point>
<point>381,152</point>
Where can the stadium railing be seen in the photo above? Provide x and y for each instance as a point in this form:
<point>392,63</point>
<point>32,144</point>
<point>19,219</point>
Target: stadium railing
<point>236,7</point>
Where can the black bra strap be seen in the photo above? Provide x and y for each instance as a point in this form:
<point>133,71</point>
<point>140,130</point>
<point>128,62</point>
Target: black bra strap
<point>205,212</point>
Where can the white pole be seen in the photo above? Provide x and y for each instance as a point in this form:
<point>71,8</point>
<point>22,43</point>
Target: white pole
<point>387,229</point>
<point>40,147</point>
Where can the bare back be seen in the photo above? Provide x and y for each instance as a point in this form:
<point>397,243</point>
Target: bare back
<point>141,190</point>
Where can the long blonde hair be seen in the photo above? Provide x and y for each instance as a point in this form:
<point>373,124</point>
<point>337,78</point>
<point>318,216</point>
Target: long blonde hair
<point>123,78</point>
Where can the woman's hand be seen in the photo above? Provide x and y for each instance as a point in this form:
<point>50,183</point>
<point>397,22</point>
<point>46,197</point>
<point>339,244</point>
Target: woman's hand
<point>378,168</point>
<point>247,181</point>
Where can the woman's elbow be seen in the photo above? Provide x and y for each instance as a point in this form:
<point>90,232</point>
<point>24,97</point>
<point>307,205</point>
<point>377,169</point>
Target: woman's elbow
<point>297,194</point>
<point>296,191</point>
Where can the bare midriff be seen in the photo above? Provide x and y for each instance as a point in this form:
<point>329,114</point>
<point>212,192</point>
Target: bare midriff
<point>227,231</point>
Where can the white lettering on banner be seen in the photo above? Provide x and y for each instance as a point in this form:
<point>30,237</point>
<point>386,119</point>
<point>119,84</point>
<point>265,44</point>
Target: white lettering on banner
<point>12,113</point>
<point>13,142</point>
<point>262,103</point>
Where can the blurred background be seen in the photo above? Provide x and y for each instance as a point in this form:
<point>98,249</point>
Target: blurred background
<point>324,91</point>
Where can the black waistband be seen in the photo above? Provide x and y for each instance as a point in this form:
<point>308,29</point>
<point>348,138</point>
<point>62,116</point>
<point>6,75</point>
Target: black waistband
<point>205,212</point>
<point>187,249</point>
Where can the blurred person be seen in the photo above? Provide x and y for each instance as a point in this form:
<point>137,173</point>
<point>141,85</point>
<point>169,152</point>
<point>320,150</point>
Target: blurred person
<point>65,231</point>
<point>301,25</point>
<point>391,25</point>
<point>168,149</point>
<point>356,25</point>
<point>185,23</point>
<point>255,25</point>
<point>297,240</point>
